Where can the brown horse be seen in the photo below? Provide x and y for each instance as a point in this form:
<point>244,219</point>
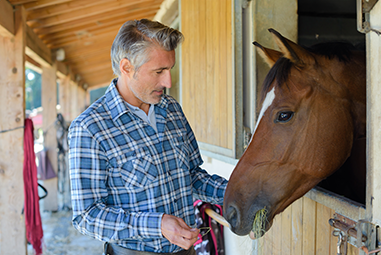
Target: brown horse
<point>313,111</point>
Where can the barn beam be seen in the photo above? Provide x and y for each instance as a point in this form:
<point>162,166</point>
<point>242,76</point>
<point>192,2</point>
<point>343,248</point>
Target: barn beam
<point>37,50</point>
<point>85,11</point>
<point>7,26</point>
<point>99,19</point>
<point>12,112</point>
<point>62,70</point>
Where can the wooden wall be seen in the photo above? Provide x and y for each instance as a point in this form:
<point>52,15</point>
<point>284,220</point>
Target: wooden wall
<point>302,229</point>
<point>207,69</point>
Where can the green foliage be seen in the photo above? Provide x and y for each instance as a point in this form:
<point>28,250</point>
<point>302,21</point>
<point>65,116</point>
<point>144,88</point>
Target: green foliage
<point>32,89</point>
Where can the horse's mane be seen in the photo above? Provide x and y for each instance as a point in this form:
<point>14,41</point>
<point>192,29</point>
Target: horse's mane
<point>343,51</point>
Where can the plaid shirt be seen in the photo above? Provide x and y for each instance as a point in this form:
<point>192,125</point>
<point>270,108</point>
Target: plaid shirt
<point>125,176</point>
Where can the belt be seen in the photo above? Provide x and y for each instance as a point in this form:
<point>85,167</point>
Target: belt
<point>113,249</point>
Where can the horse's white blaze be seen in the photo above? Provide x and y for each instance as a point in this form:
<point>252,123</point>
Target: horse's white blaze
<point>266,104</point>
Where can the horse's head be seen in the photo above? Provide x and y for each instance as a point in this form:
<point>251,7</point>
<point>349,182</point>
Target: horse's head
<point>305,130</point>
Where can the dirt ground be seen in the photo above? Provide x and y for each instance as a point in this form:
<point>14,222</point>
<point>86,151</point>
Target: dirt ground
<point>60,237</point>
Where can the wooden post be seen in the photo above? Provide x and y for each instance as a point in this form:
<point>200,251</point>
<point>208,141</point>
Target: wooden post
<point>74,99</point>
<point>12,114</point>
<point>373,203</point>
<point>49,103</point>
<point>64,97</point>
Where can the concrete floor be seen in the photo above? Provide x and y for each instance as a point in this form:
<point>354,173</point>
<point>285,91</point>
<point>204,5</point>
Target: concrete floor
<point>60,237</point>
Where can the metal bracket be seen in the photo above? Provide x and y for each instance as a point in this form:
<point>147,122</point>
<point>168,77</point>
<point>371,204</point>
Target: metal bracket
<point>363,9</point>
<point>245,3</point>
<point>349,230</point>
<point>361,234</point>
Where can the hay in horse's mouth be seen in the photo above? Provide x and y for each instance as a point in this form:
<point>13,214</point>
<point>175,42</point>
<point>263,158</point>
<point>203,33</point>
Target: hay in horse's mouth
<point>259,223</point>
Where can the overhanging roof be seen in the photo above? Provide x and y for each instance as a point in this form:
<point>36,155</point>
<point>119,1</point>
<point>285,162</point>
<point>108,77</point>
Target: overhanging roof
<point>84,29</point>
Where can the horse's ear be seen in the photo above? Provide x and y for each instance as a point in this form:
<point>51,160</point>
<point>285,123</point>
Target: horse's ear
<point>297,54</point>
<point>269,56</point>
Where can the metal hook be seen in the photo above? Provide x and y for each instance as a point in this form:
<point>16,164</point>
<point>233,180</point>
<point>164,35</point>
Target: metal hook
<point>339,242</point>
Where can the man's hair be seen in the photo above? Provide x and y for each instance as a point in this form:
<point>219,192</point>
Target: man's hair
<point>135,39</point>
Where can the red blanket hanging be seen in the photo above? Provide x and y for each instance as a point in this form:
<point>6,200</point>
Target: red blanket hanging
<point>33,222</point>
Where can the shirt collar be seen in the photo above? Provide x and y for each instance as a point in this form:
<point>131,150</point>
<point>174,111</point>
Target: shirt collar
<point>117,105</point>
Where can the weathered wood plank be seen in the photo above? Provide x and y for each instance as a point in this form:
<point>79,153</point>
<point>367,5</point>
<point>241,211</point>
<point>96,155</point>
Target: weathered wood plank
<point>277,235</point>
<point>64,97</point>
<point>309,226</point>
<point>12,93</point>
<point>228,48</point>
<point>43,3</point>
<point>207,83</point>
<point>297,227</point>
<point>323,229</point>
<point>286,231</point>
<point>7,25</point>
<point>49,103</point>
<point>36,49</point>
<point>79,11</point>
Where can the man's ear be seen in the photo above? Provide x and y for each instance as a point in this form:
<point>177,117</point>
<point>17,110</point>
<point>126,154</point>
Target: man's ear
<point>126,67</point>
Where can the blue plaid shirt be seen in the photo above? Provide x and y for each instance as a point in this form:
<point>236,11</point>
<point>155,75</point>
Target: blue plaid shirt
<point>125,175</point>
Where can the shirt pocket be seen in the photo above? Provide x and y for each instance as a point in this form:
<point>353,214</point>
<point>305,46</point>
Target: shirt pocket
<point>138,170</point>
<point>182,152</point>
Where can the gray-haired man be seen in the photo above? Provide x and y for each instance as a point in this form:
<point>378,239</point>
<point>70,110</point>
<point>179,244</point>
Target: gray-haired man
<point>134,160</point>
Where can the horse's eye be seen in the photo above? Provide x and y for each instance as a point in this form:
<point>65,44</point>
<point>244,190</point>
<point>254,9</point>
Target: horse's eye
<point>284,116</point>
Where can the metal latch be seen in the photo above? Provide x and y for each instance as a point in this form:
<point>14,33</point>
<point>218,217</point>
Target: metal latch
<point>343,232</point>
<point>363,9</point>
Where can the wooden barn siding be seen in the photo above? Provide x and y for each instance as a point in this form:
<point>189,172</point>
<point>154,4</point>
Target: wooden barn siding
<point>302,229</point>
<point>207,83</point>
<point>12,109</point>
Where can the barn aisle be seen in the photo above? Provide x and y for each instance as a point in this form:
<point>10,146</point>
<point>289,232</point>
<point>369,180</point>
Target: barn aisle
<point>60,237</point>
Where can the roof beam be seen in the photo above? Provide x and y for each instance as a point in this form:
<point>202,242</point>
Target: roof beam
<point>18,2</point>
<point>43,3</point>
<point>84,13</point>
<point>36,49</point>
<point>100,77</point>
<point>7,24</point>
<point>100,38</point>
<point>85,35</point>
<point>95,59</point>
<point>98,19</point>
<point>62,70</point>
<point>74,56</point>
<point>59,8</point>
<point>93,68</point>
<point>96,22</point>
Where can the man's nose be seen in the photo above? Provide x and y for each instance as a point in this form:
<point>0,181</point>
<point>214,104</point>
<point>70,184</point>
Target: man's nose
<point>167,79</point>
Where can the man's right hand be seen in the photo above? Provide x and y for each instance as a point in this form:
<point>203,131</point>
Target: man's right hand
<point>178,232</point>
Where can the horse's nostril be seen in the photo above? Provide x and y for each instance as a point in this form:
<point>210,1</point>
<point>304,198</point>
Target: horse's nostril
<point>232,216</point>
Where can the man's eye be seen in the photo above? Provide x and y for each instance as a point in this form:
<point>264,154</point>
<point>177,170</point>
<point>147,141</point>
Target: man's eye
<point>284,116</point>
<point>159,72</point>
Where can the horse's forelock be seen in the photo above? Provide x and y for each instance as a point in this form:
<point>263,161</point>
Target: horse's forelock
<point>278,73</point>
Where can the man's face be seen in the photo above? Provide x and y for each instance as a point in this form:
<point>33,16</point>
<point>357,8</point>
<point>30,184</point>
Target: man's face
<point>153,77</point>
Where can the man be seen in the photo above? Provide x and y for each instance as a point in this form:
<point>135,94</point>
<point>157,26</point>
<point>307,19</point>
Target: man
<point>134,160</point>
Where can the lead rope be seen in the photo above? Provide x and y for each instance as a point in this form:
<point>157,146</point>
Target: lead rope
<point>369,252</point>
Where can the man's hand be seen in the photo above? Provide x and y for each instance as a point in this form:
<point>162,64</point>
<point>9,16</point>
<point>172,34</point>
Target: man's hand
<point>178,232</point>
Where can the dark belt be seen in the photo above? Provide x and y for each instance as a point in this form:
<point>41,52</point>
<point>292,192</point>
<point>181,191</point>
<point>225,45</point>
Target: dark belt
<point>113,249</point>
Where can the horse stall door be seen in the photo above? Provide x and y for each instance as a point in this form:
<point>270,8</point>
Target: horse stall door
<point>302,229</point>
